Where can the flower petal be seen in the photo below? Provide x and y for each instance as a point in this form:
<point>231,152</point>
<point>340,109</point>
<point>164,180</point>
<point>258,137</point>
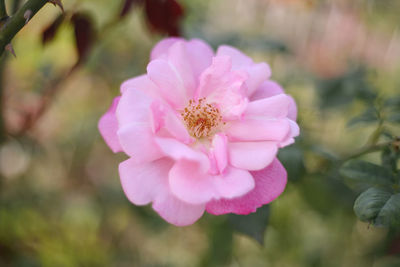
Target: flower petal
<point>258,129</point>
<point>269,184</point>
<point>176,150</point>
<point>177,212</point>
<point>258,73</point>
<point>142,83</point>
<point>142,183</point>
<point>271,107</point>
<point>133,107</point>
<point>200,55</point>
<point>252,155</point>
<point>238,58</point>
<point>137,140</point>
<point>219,152</point>
<point>190,184</point>
<point>160,50</point>
<point>294,131</point>
<point>108,127</point>
<point>170,85</point>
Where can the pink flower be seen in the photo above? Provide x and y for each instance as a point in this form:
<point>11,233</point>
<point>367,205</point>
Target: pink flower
<point>202,131</point>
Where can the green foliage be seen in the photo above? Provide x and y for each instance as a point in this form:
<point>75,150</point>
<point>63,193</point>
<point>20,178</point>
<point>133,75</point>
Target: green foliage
<point>253,224</point>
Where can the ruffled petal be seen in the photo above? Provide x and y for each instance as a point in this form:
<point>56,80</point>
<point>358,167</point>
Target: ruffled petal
<point>108,127</point>
<point>269,184</point>
<point>142,183</point>
<point>258,73</point>
<point>294,131</point>
<point>200,55</point>
<point>219,153</point>
<point>170,85</point>
<point>252,155</point>
<point>190,184</point>
<point>142,83</point>
<point>238,58</point>
<point>133,108</point>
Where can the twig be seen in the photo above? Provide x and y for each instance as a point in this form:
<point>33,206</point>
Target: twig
<point>366,150</point>
<point>18,21</point>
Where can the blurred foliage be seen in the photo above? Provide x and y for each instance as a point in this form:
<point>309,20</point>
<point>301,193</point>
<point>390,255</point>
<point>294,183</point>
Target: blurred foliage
<point>61,203</point>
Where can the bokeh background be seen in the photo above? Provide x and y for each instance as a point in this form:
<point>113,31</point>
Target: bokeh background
<point>61,203</point>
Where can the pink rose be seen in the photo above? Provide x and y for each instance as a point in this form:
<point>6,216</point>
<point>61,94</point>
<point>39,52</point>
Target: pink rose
<point>202,131</point>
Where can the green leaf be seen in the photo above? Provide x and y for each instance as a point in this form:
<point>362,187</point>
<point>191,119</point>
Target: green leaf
<point>390,212</point>
<point>368,116</point>
<point>389,158</point>
<point>369,204</point>
<point>363,172</point>
<point>292,157</point>
<point>253,225</point>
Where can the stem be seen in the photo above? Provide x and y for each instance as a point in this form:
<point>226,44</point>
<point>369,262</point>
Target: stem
<point>17,22</point>
<point>366,150</point>
<point>3,11</point>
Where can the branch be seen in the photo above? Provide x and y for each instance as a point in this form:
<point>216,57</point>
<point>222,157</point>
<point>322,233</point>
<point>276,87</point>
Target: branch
<point>18,21</point>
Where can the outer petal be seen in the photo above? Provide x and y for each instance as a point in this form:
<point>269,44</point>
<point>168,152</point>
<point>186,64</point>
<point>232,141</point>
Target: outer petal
<point>133,108</point>
<point>142,83</point>
<point>160,50</point>
<point>108,127</point>
<point>258,130</point>
<point>176,211</point>
<point>252,155</point>
<point>294,131</point>
<point>142,183</point>
<point>190,184</point>
<point>271,88</point>
<point>269,184</point>
<point>271,107</point>
<point>239,59</point>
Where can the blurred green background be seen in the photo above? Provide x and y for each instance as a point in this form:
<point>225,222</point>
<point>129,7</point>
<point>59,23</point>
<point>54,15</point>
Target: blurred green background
<point>61,203</point>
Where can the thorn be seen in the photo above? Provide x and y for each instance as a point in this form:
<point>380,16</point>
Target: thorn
<point>27,15</point>
<point>57,3</point>
<point>10,48</point>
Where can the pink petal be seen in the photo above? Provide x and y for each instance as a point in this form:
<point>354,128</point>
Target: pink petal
<point>258,73</point>
<point>252,155</point>
<point>223,87</point>
<point>108,127</point>
<point>269,184</point>
<point>142,183</point>
<point>179,58</point>
<point>239,59</point>
<point>271,88</point>
<point>267,89</point>
<point>271,107</point>
<point>177,150</point>
<point>142,83</point>
<point>160,50</point>
<point>294,131</point>
<point>133,107</point>
<point>137,140</point>
<point>200,54</point>
<point>190,184</point>
<point>219,152</point>
<point>258,130</point>
<point>170,85</point>
<point>177,212</point>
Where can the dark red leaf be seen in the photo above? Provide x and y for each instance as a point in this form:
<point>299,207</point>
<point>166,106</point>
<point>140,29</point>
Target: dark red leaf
<point>127,6</point>
<point>164,16</point>
<point>84,34</point>
<point>50,31</point>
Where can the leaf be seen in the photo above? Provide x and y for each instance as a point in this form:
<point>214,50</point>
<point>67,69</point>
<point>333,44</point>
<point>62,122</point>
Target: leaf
<point>164,16</point>
<point>394,118</point>
<point>84,34</point>
<point>292,158</point>
<point>368,116</point>
<point>389,158</point>
<point>393,103</point>
<point>50,31</point>
<point>253,224</point>
<point>369,204</point>
<point>367,173</point>
<point>390,212</point>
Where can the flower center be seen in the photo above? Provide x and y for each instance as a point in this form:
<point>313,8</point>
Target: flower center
<point>201,119</point>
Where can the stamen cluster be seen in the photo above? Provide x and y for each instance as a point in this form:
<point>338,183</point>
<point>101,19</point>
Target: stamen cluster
<point>201,118</point>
